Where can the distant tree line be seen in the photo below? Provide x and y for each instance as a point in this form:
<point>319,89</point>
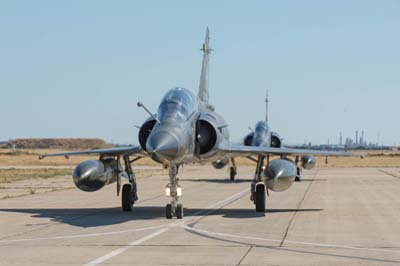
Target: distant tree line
<point>55,143</point>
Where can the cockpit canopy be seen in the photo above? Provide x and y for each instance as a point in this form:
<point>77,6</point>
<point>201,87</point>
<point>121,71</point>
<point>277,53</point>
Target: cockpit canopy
<point>261,134</point>
<point>177,104</point>
<point>261,128</point>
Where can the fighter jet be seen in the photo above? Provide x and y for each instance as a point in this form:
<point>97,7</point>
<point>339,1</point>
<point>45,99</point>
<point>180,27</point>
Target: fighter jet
<point>263,136</point>
<point>185,129</point>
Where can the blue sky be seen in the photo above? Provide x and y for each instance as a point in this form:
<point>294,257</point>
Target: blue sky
<point>77,68</point>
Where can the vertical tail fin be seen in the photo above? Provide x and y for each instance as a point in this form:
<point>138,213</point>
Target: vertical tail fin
<point>203,96</point>
<point>266,106</point>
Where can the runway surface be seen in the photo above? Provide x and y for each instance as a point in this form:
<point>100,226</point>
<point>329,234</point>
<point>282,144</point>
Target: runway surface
<point>333,217</point>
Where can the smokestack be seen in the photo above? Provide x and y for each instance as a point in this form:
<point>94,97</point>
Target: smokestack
<point>340,139</point>
<point>356,137</point>
<point>362,138</point>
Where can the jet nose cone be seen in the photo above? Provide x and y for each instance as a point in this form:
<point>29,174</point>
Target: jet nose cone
<point>163,146</point>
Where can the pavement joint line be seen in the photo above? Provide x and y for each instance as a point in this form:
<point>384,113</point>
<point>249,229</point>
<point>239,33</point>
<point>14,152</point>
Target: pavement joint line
<point>166,228</point>
<point>206,232</point>
<point>389,173</point>
<point>245,255</point>
<point>295,213</point>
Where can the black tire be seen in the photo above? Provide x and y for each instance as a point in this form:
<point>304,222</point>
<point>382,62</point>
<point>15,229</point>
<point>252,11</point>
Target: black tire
<point>232,173</point>
<point>298,176</point>
<point>179,211</point>
<point>168,211</point>
<point>127,197</point>
<point>260,198</point>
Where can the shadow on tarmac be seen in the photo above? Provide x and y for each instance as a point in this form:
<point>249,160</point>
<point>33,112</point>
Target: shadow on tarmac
<point>216,180</point>
<point>93,217</point>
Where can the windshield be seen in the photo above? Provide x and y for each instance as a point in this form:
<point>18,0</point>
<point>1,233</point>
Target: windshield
<point>261,129</point>
<point>177,104</point>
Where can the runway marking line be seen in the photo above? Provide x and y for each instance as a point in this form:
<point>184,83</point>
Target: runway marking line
<point>123,249</point>
<point>167,227</point>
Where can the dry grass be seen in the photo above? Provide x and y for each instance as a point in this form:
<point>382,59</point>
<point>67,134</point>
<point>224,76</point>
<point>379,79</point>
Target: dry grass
<point>30,158</point>
<point>373,159</point>
<point>11,175</point>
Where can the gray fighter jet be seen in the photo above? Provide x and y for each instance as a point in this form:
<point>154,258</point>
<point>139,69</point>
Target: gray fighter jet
<point>185,129</point>
<point>263,136</point>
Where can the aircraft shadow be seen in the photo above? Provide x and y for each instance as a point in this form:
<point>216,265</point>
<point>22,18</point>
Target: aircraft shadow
<point>312,180</point>
<point>94,217</point>
<point>216,180</point>
<point>227,181</point>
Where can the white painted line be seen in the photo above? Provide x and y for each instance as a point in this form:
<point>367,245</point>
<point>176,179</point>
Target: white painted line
<point>123,249</point>
<point>211,208</point>
<point>83,235</point>
<point>286,241</point>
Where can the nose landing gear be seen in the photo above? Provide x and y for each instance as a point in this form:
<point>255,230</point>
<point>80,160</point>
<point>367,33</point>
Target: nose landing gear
<point>175,192</point>
<point>258,189</point>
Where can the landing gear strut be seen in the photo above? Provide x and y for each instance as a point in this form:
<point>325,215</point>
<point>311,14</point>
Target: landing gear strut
<point>232,170</point>
<point>175,191</point>
<point>298,175</point>
<point>129,191</point>
<point>258,190</point>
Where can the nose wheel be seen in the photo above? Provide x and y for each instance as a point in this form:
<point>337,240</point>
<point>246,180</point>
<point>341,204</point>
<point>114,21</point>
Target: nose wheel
<point>175,192</point>
<point>170,211</point>
<point>258,189</point>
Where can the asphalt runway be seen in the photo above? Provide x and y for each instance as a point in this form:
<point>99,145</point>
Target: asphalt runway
<point>333,217</point>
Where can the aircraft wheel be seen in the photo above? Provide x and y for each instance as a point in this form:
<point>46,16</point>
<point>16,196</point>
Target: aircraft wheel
<point>298,176</point>
<point>179,211</point>
<point>168,211</point>
<point>260,198</point>
<point>127,197</point>
<point>232,173</point>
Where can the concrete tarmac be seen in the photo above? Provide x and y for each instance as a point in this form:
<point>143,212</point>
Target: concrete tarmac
<point>332,217</point>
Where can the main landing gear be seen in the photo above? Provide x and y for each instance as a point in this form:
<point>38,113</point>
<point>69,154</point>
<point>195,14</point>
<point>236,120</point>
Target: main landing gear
<point>129,191</point>
<point>258,189</point>
<point>299,171</point>
<point>175,191</point>
<point>233,170</point>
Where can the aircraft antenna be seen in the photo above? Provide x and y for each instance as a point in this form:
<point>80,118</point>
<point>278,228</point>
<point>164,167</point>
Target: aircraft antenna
<point>140,104</point>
